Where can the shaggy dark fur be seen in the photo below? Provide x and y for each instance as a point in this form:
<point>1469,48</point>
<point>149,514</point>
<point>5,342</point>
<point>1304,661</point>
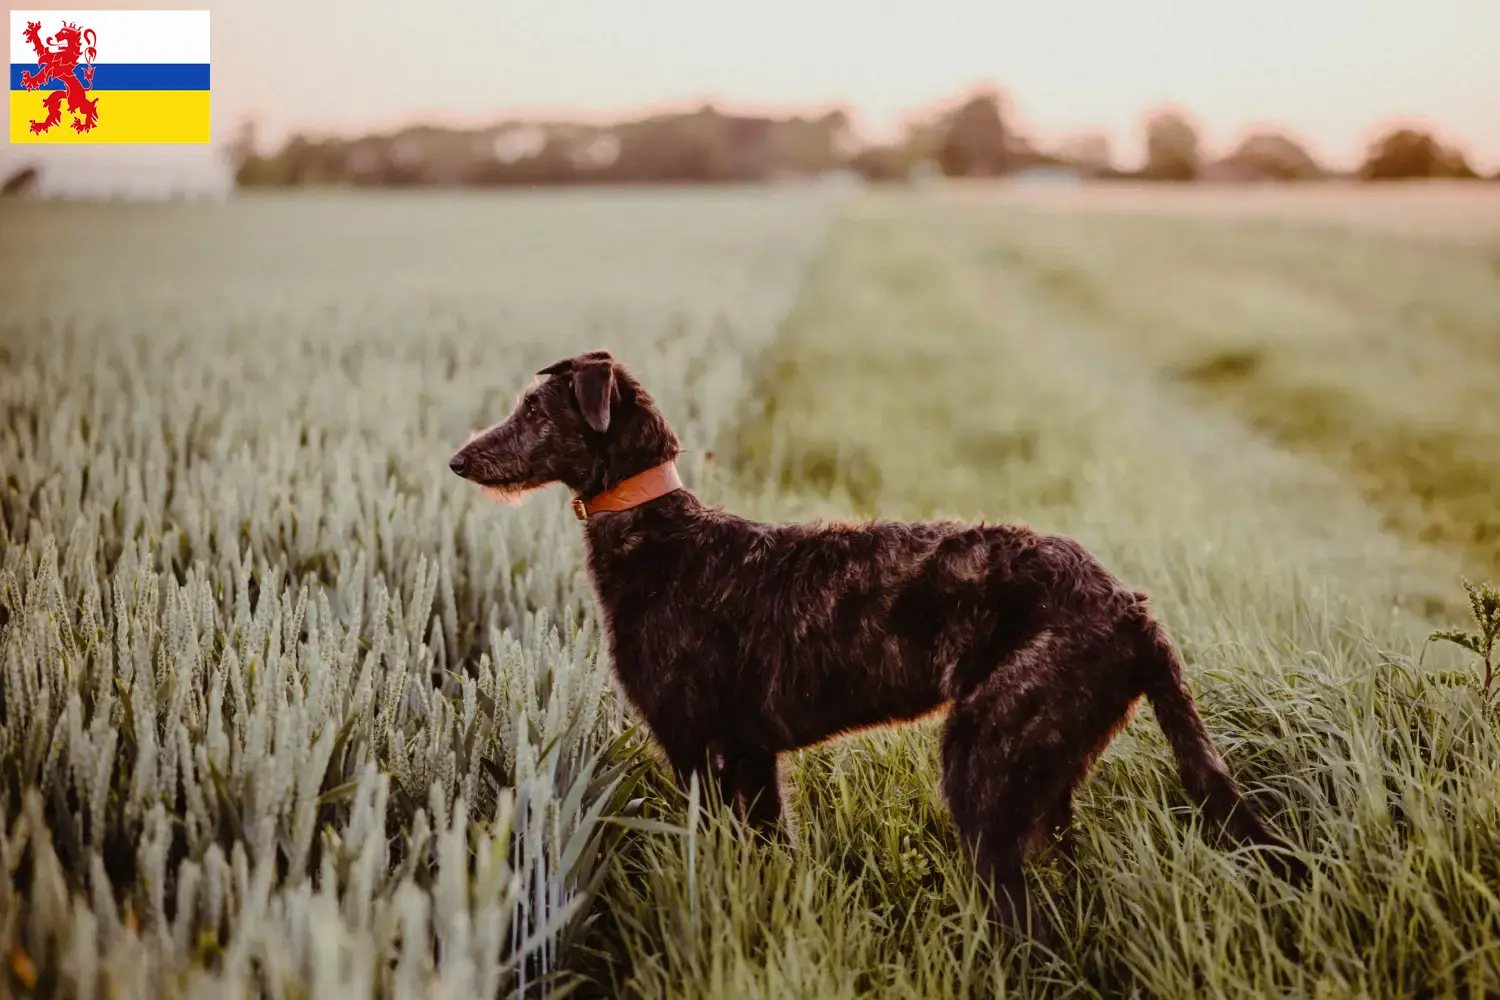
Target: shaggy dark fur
<point>738,640</point>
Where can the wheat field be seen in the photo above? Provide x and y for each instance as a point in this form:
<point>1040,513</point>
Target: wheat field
<point>288,711</point>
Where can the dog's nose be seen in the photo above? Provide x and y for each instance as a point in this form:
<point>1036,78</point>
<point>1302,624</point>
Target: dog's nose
<point>459,464</point>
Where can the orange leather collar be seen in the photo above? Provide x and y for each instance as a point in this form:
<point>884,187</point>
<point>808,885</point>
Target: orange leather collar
<point>628,493</point>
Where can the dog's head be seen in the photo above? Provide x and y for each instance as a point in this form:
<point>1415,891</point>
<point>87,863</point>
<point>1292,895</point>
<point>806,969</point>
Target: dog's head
<point>583,421</point>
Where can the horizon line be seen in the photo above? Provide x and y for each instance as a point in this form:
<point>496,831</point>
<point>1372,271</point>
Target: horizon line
<point>1016,122</point>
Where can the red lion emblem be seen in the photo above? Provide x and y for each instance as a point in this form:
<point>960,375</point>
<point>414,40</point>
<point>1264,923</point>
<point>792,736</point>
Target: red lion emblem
<point>56,57</point>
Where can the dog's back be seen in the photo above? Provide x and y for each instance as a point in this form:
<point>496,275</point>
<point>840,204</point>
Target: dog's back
<point>792,633</point>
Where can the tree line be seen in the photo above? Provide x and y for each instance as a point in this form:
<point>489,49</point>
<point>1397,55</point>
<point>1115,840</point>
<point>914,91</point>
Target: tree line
<point>972,137</point>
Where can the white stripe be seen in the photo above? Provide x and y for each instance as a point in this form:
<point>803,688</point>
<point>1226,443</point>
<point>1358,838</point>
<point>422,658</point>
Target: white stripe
<point>124,36</point>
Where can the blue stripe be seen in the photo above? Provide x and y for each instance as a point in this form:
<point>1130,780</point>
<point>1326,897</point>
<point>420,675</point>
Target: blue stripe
<point>127,76</point>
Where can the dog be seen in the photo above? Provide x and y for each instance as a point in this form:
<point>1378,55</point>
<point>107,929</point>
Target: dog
<point>737,641</point>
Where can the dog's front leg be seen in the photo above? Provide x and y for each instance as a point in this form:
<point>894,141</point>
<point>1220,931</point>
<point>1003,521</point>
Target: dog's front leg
<point>753,789</point>
<point>690,753</point>
<point>745,778</point>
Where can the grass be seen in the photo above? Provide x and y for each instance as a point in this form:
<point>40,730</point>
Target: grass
<point>257,646</point>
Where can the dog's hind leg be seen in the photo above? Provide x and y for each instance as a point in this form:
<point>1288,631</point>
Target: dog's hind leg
<point>995,796</point>
<point>1015,747</point>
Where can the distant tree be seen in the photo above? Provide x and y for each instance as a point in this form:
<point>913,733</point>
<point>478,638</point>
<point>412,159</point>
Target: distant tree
<point>1171,147</point>
<point>1407,153</point>
<point>252,169</point>
<point>699,147</point>
<point>553,163</point>
<point>302,161</point>
<point>20,182</point>
<point>1456,165</point>
<point>1268,155</point>
<point>241,145</point>
<point>248,167</point>
<point>846,140</point>
<point>596,152</point>
<point>975,142</point>
<point>916,152</point>
<point>1021,153</point>
<point>882,163</point>
<point>810,145</point>
<point>922,139</point>
<point>1089,152</point>
<point>681,148</point>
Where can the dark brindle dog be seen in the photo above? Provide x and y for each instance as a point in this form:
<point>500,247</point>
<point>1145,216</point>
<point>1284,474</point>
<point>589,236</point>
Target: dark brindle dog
<point>739,640</point>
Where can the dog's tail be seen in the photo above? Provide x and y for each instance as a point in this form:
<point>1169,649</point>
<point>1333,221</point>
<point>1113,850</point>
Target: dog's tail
<point>1203,773</point>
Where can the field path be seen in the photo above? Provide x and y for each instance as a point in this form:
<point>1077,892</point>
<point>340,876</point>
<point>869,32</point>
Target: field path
<point>1373,355</point>
<point>1305,511</point>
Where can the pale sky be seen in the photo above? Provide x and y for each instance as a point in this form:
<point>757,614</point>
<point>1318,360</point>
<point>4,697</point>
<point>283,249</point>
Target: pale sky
<point>1332,72</point>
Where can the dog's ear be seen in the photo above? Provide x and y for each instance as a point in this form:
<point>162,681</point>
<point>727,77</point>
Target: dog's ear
<point>594,385</point>
<point>567,365</point>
